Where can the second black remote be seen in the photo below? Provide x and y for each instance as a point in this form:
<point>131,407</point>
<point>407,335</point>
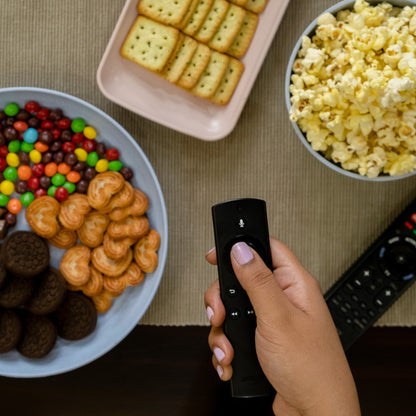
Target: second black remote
<point>235,221</point>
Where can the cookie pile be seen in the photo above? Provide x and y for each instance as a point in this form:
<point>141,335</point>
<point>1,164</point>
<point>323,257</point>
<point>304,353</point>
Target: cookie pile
<point>35,305</point>
<point>195,44</point>
<point>117,245</point>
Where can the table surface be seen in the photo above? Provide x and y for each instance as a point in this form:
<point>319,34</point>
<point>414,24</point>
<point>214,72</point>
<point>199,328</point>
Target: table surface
<point>167,371</point>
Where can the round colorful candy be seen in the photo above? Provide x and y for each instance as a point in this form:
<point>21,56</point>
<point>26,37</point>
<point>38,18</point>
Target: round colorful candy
<point>52,190</point>
<point>4,200</point>
<point>92,159</point>
<point>7,187</point>
<point>30,135</point>
<point>11,109</point>
<point>101,165</point>
<point>27,198</point>
<point>78,125</point>
<point>10,173</point>
<point>26,147</point>
<point>115,165</point>
<point>24,172</point>
<point>112,154</point>
<point>12,159</point>
<point>71,187</point>
<point>81,154</point>
<point>90,132</point>
<point>61,194</point>
<point>58,179</point>
<point>14,206</point>
<point>35,156</point>
<point>14,146</point>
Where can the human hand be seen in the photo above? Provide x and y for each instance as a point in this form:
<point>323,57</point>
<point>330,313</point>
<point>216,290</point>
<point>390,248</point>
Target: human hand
<point>296,340</point>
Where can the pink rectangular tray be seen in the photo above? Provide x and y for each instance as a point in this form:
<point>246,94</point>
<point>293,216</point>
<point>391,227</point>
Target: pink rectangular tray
<point>150,96</point>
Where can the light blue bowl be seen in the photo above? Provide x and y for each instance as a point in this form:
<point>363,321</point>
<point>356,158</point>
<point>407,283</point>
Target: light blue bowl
<point>129,308</point>
<point>346,4</point>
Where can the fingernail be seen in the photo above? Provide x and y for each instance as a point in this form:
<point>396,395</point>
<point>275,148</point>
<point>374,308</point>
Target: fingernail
<point>242,253</point>
<point>209,252</point>
<point>220,371</point>
<point>210,313</point>
<point>219,354</point>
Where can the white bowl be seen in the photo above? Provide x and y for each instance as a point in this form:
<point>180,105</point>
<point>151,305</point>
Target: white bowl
<point>346,4</point>
<point>130,307</point>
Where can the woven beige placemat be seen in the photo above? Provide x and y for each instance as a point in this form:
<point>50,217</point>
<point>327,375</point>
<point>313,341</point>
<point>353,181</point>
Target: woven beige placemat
<point>325,218</point>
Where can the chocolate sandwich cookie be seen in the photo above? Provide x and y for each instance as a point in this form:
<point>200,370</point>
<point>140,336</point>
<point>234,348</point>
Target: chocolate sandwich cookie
<point>10,329</point>
<point>17,291</point>
<point>39,336</point>
<point>25,254</point>
<point>76,317</point>
<point>49,293</point>
<point>3,272</point>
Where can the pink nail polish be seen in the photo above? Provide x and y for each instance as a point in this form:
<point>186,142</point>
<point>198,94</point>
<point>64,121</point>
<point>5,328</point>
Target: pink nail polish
<point>219,354</point>
<point>242,253</point>
<point>220,371</point>
<point>210,313</point>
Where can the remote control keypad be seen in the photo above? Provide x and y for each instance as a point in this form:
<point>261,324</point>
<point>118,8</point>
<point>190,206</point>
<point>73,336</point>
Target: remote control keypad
<point>376,280</point>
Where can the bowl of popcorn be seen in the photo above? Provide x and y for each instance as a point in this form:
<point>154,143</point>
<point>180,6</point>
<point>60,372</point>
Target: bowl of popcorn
<point>350,89</point>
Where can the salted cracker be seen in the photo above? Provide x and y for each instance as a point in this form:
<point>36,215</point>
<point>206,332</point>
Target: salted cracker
<point>195,67</point>
<point>201,11</point>
<point>244,36</point>
<point>241,3</point>
<point>212,21</point>
<point>212,75</point>
<point>256,6</point>
<point>228,83</point>
<point>175,69</point>
<point>149,43</point>
<point>228,28</point>
<point>170,12</point>
<point>187,15</point>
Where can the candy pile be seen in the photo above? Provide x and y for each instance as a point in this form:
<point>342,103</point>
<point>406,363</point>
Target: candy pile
<point>42,152</point>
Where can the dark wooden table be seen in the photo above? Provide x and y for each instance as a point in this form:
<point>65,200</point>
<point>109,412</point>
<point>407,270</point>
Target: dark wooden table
<point>167,371</point>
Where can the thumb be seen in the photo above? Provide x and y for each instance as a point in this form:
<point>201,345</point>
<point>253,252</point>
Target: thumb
<point>258,281</point>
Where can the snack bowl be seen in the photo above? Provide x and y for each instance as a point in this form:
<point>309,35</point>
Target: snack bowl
<point>310,31</point>
<point>127,310</point>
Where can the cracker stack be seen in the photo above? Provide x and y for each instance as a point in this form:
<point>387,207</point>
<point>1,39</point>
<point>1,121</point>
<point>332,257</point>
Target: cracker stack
<point>194,43</point>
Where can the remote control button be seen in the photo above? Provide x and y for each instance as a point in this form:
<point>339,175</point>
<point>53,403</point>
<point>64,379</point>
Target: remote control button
<point>400,259</point>
<point>250,313</point>
<point>231,292</point>
<point>385,296</point>
<point>241,223</point>
<point>235,314</point>
<point>413,217</point>
<point>408,225</point>
<point>373,285</point>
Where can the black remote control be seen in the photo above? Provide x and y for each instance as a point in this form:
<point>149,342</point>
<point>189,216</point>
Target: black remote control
<point>241,220</point>
<point>376,280</point>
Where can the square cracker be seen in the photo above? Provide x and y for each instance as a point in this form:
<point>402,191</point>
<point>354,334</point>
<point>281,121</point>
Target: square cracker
<point>212,21</point>
<point>228,83</point>
<point>188,14</point>
<point>195,67</point>
<point>202,9</point>
<point>212,75</point>
<point>241,3</point>
<point>174,70</point>
<point>149,43</point>
<point>165,11</point>
<point>228,28</point>
<point>256,6</point>
<point>244,36</point>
